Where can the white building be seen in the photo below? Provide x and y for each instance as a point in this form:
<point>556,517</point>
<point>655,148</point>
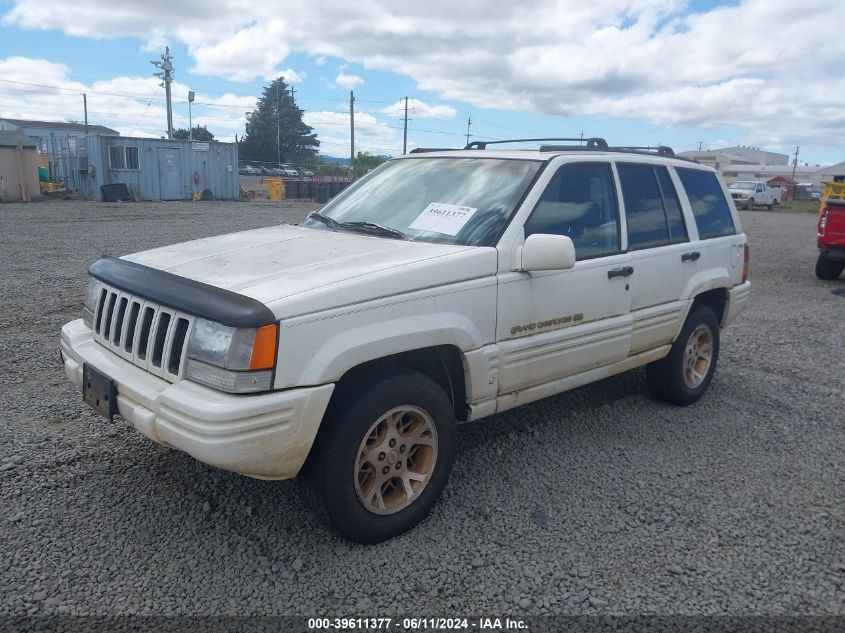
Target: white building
<point>752,163</point>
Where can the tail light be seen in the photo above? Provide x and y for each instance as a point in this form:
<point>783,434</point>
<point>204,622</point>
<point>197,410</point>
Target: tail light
<point>823,221</point>
<point>746,262</point>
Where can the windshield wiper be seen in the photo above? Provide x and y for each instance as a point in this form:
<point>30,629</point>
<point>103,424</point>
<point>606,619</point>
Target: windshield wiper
<point>372,227</point>
<point>329,222</point>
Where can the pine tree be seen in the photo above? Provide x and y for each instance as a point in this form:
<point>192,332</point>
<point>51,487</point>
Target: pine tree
<point>297,141</point>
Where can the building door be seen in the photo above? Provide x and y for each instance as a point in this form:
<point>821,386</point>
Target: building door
<point>170,173</point>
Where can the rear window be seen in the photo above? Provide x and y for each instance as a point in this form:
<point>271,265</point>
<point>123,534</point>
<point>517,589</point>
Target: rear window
<point>711,210</point>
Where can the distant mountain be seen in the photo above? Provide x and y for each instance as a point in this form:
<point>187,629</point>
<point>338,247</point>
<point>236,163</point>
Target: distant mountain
<point>335,160</point>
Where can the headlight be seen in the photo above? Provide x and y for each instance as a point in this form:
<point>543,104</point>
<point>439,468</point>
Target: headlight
<point>90,304</point>
<point>235,360</point>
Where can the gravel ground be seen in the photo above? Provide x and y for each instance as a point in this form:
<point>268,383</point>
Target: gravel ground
<point>596,501</point>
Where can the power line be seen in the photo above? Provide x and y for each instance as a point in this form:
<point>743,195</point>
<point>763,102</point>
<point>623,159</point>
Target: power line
<point>143,113</point>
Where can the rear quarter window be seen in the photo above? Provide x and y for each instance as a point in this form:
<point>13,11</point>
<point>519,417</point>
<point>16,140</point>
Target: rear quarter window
<point>709,206</point>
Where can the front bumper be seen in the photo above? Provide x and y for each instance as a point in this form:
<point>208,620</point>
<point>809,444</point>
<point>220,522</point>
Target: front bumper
<point>267,436</point>
<point>738,297</point>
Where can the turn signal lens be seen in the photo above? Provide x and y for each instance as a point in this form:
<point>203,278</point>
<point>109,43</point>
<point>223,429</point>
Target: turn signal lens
<point>264,347</point>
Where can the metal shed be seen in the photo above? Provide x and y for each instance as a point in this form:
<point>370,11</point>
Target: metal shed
<point>161,169</point>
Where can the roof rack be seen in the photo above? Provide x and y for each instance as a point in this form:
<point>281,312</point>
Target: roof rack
<point>660,150</point>
<point>591,143</point>
<point>423,150</point>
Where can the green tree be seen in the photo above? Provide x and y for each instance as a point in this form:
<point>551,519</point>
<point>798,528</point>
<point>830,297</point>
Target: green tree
<point>367,160</point>
<point>296,141</point>
<point>201,133</point>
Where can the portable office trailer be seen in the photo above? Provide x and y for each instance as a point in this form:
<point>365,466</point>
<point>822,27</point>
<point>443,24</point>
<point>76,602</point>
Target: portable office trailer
<point>160,169</point>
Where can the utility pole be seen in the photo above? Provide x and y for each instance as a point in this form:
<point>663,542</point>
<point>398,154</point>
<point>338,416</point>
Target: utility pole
<point>795,163</point>
<point>469,122</point>
<point>166,75</point>
<point>405,136</point>
<point>278,122</point>
<point>700,145</point>
<point>191,95</point>
<point>85,107</point>
<point>352,132</point>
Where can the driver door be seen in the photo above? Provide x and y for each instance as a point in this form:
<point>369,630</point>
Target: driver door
<point>553,324</point>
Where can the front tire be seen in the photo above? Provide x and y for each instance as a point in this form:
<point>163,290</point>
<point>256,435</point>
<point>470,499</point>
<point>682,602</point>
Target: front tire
<point>750,205</point>
<point>828,269</point>
<point>684,374</point>
<point>383,459</point>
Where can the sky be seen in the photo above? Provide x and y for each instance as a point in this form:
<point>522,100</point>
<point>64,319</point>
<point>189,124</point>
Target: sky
<point>684,73</point>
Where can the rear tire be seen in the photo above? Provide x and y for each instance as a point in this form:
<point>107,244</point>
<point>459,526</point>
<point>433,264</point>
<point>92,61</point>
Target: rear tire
<point>770,206</point>
<point>683,375</point>
<point>383,458</point>
<point>828,269</point>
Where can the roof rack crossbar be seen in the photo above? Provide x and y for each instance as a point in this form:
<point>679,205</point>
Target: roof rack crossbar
<point>592,143</point>
<point>663,150</point>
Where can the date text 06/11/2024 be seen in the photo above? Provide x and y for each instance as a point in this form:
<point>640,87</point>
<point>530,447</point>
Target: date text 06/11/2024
<point>416,624</point>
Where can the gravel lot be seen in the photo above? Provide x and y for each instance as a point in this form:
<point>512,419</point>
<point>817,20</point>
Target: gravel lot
<point>596,501</point>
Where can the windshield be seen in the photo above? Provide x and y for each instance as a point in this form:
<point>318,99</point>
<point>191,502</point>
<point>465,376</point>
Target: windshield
<point>743,185</point>
<point>448,200</point>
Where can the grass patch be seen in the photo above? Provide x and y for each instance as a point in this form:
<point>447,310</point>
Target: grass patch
<point>800,206</point>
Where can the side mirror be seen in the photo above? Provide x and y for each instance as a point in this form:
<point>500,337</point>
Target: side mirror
<point>543,251</point>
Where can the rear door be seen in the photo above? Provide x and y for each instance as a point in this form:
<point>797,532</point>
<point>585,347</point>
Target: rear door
<point>716,234</point>
<point>658,241</point>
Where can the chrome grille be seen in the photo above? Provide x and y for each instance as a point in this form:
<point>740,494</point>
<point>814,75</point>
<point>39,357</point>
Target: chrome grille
<point>145,333</point>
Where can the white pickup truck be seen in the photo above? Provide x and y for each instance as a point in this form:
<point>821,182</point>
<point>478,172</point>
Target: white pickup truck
<point>750,193</point>
<point>443,287</point>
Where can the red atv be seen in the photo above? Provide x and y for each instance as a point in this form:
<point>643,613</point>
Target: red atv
<point>831,240</point>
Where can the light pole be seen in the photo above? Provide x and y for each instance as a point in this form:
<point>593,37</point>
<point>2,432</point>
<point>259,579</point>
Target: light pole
<point>191,95</point>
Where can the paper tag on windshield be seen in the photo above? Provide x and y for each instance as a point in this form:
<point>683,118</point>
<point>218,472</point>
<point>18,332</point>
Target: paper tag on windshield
<point>439,217</point>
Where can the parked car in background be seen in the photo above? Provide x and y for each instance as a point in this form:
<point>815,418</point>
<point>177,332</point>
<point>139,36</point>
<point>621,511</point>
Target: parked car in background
<point>305,173</point>
<point>750,193</point>
<point>444,287</point>
<point>831,240</point>
<point>288,171</point>
<point>249,170</point>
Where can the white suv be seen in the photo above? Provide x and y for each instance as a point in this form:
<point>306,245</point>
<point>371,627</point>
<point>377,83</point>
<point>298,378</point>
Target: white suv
<point>443,287</point>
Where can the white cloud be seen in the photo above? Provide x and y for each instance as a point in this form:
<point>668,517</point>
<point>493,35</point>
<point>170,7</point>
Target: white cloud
<point>371,135</point>
<point>419,110</point>
<point>771,68</point>
<point>134,106</point>
<point>348,81</point>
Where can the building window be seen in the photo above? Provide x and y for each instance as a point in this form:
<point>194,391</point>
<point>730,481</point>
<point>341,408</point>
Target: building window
<point>117,157</point>
<point>131,157</point>
<point>123,157</point>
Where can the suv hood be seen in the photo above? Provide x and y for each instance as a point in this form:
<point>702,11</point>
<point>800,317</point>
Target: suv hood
<point>296,270</point>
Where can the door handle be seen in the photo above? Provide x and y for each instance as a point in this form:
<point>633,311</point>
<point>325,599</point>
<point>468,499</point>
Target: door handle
<point>625,271</point>
<point>694,255</point>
